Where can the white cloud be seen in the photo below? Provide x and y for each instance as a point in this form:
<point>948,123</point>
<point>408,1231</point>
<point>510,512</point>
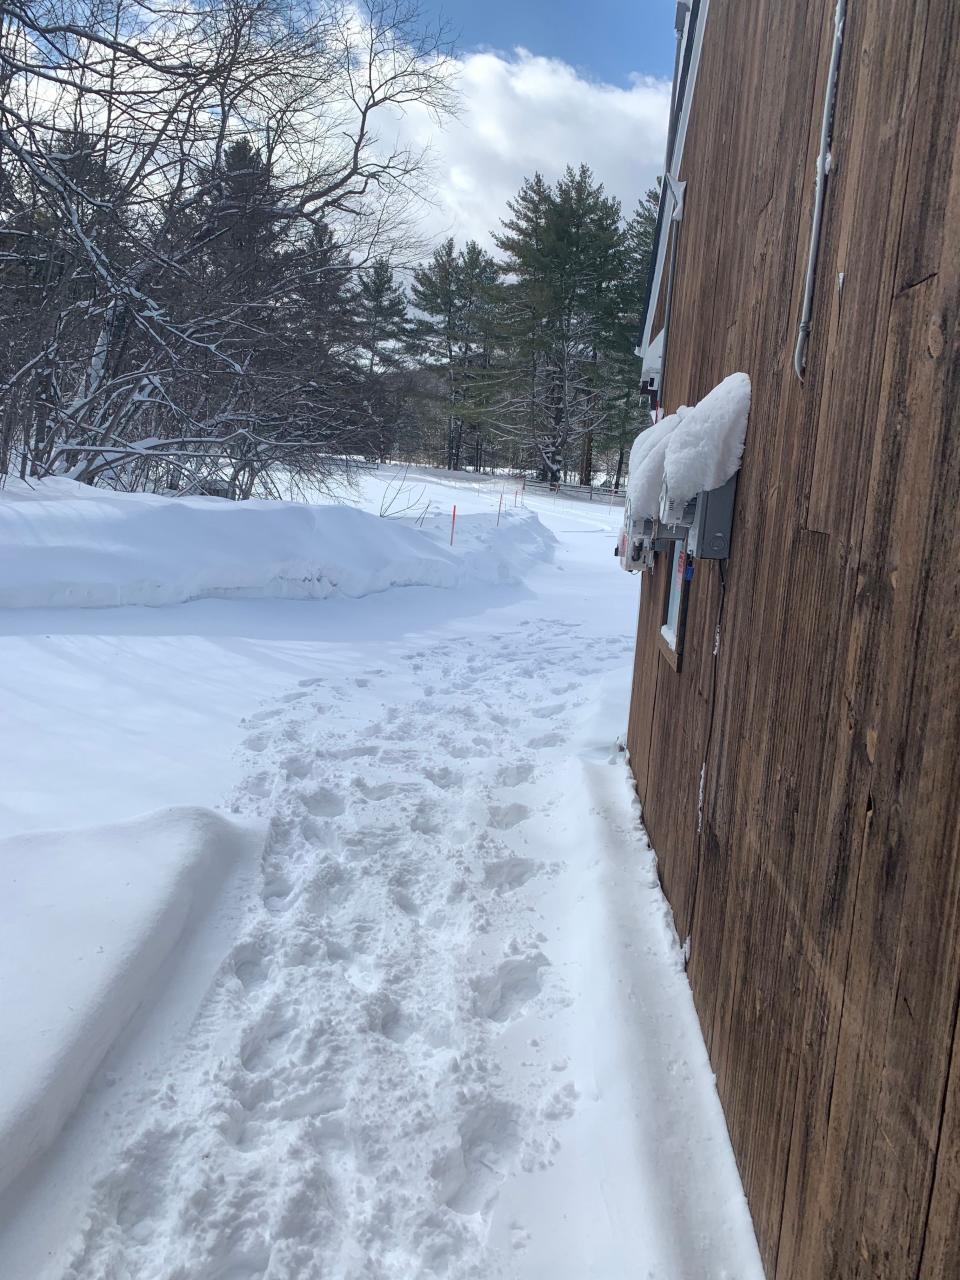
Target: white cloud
<point>525,113</point>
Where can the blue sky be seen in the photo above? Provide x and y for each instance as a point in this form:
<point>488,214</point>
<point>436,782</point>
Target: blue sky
<point>603,39</point>
<point>542,85</point>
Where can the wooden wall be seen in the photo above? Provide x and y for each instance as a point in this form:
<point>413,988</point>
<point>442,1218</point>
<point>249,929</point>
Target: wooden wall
<point>822,895</point>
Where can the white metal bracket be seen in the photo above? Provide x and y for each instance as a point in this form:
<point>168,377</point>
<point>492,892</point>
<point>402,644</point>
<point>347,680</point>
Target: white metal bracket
<point>677,190</point>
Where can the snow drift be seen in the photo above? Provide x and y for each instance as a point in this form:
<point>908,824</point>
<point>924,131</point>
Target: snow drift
<point>63,544</point>
<point>89,918</point>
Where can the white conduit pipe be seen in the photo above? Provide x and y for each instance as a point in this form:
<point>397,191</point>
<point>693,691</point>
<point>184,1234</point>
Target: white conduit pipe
<point>823,168</point>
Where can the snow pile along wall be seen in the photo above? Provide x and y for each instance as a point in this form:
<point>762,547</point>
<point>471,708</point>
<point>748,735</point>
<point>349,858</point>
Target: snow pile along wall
<point>89,919</point>
<point>64,544</point>
<point>691,450</point>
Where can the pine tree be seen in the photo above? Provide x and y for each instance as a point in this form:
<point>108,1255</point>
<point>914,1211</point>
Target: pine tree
<point>455,335</point>
<point>630,410</point>
<point>640,233</point>
<point>381,324</point>
<point>564,263</point>
<point>476,277</point>
<point>381,316</point>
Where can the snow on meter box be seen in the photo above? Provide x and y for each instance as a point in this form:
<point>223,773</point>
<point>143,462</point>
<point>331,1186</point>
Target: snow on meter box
<point>682,479</point>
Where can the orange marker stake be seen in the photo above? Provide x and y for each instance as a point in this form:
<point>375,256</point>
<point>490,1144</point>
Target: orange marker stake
<point>499,510</point>
<point>453,523</point>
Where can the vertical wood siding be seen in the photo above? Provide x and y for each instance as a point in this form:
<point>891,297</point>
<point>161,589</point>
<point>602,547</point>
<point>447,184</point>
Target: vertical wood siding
<point>822,892</point>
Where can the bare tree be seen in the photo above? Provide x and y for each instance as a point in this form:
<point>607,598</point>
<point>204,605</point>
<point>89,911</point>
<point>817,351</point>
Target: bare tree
<point>184,194</point>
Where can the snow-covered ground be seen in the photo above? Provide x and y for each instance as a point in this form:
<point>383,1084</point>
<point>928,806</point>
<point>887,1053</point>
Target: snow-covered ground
<point>346,957</point>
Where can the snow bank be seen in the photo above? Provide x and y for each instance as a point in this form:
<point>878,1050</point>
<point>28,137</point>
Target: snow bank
<point>691,450</point>
<point>63,544</point>
<point>705,450</point>
<point>89,918</point>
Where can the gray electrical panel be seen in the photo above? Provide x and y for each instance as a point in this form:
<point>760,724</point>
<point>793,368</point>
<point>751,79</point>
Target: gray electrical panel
<point>709,536</point>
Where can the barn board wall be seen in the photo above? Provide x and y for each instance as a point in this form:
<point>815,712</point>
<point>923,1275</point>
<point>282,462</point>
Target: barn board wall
<point>822,890</point>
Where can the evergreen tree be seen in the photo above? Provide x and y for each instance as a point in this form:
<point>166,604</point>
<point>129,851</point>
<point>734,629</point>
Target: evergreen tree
<point>381,325</point>
<point>455,335</point>
<point>381,317</point>
<point>640,232</point>
<point>477,276</point>
<point>630,410</point>
<point>563,270</point>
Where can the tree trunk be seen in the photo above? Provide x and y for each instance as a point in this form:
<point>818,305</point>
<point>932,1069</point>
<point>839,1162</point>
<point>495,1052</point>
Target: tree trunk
<point>586,458</point>
<point>616,481</point>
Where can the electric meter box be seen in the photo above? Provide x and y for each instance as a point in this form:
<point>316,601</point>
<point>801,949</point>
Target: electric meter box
<point>634,544</point>
<point>712,525</point>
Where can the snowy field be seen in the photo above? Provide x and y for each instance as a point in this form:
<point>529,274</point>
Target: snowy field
<point>333,945</point>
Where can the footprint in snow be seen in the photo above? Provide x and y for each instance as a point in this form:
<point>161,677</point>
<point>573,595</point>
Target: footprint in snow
<point>469,1176</point>
<point>323,803</point>
<point>405,902</point>
<point>387,1018</point>
<point>337,952</point>
<point>356,753</point>
<point>260,717</point>
<point>548,713</point>
<point>426,820</point>
<point>249,967</point>
<point>319,834</point>
<point>276,894</point>
<point>297,768</point>
<point>503,817</point>
<point>267,1044</point>
<point>321,1099</point>
<point>506,874</point>
<point>374,791</point>
<point>444,777</point>
<point>514,775</point>
<point>330,884</point>
<point>511,986</point>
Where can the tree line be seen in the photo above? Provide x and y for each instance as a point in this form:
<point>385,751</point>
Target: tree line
<point>208,276</point>
<point>529,351</point>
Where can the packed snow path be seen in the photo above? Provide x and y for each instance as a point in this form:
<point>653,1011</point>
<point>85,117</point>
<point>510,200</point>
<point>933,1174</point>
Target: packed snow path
<point>453,1036</point>
<point>354,1119</point>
